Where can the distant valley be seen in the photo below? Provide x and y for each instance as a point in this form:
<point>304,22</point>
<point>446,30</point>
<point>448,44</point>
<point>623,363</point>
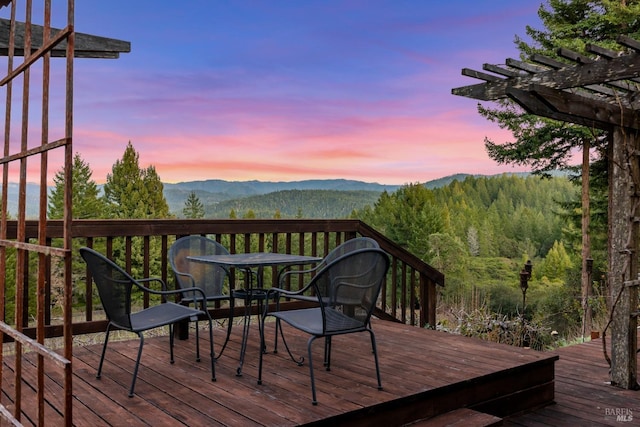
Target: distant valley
<point>335,198</point>
<point>330,198</point>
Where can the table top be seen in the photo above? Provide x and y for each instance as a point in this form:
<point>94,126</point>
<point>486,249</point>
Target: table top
<point>256,259</point>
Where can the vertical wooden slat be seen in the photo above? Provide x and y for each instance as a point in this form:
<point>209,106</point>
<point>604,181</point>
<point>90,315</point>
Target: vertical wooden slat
<point>314,244</point>
<point>68,283</point>
<point>394,288</point>
<point>5,183</point>
<point>21,255</point>
<point>412,298</point>
<point>164,262</point>
<point>145,267</point>
<point>42,218</point>
<point>88,288</point>
<point>403,293</point>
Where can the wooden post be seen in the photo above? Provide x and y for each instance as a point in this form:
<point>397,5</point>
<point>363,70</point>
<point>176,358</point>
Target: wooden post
<point>623,254</point>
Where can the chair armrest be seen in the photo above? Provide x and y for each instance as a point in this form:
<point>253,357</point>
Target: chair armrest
<point>165,292</point>
<point>284,273</point>
<point>191,279</point>
<point>277,293</point>
<point>153,279</point>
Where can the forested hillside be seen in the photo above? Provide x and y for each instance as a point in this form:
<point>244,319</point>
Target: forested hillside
<point>480,231</point>
<point>323,204</point>
<point>214,191</point>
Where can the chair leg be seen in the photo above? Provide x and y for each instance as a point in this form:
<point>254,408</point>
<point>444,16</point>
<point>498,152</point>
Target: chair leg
<point>300,360</point>
<point>375,356</point>
<point>261,330</point>
<point>314,401</point>
<point>104,350</point>
<point>135,370</point>
<point>327,353</point>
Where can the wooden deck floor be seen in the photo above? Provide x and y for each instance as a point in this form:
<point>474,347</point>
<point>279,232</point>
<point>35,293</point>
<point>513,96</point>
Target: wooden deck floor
<point>583,396</point>
<point>424,373</point>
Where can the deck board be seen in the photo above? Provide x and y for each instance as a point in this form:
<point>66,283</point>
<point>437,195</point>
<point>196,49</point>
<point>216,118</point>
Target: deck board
<point>583,395</point>
<point>424,373</point>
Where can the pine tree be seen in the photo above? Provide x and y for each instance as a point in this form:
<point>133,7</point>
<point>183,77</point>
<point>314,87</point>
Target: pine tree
<point>193,207</point>
<point>132,192</point>
<point>86,199</point>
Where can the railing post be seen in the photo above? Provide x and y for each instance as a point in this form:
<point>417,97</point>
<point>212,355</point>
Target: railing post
<point>427,302</point>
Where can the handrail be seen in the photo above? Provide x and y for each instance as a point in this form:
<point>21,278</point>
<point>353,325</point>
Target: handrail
<point>143,244</point>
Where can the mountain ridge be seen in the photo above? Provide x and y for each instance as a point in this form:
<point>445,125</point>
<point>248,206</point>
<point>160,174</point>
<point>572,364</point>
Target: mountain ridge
<point>213,191</point>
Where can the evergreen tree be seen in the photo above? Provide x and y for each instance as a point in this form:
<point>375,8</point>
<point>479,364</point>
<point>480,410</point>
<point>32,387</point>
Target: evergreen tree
<point>86,199</point>
<point>132,192</point>
<point>193,207</point>
<point>408,217</point>
<point>556,263</point>
<point>546,144</point>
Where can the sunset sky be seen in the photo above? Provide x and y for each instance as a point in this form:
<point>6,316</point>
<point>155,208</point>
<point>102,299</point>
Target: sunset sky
<point>277,90</point>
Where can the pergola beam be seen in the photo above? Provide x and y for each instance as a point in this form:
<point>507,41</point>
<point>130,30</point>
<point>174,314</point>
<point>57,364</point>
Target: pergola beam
<point>86,45</point>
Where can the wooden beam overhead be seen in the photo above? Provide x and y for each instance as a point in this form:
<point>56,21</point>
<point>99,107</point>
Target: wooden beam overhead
<point>534,104</point>
<point>601,93</point>
<point>629,42</point>
<point>86,45</point>
<point>600,113</point>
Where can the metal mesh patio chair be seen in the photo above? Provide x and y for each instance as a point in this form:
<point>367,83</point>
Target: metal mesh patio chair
<point>115,287</point>
<point>206,276</point>
<point>346,291</point>
<point>342,249</point>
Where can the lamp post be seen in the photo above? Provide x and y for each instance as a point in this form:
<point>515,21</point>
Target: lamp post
<point>525,276</point>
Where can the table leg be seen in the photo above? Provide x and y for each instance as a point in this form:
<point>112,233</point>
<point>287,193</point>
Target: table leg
<point>250,293</point>
<point>245,330</point>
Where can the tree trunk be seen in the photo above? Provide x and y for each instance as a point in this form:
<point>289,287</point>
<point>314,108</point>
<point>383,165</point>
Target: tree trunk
<point>586,243</point>
<point>623,266</point>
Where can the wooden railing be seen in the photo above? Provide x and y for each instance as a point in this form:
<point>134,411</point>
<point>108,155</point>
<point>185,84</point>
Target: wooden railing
<point>409,294</point>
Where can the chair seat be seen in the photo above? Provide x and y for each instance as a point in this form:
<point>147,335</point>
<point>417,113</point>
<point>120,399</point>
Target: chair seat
<point>309,320</point>
<point>161,315</point>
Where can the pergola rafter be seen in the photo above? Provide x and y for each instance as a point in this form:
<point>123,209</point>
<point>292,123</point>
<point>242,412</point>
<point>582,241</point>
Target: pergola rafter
<point>611,83</point>
<point>601,92</point>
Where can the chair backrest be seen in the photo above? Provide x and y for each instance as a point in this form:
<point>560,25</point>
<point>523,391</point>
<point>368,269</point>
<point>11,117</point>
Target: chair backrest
<point>206,276</point>
<point>343,249</point>
<point>351,284</point>
<point>114,287</point>
<point>349,246</point>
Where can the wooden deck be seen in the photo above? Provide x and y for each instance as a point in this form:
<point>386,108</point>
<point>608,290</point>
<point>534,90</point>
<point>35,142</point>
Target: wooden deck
<point>424,373</point>
<point>583,395</point>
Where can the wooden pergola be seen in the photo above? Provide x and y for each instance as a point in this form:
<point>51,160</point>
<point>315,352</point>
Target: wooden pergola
<point>600,90</point>
<point>31,45</point>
